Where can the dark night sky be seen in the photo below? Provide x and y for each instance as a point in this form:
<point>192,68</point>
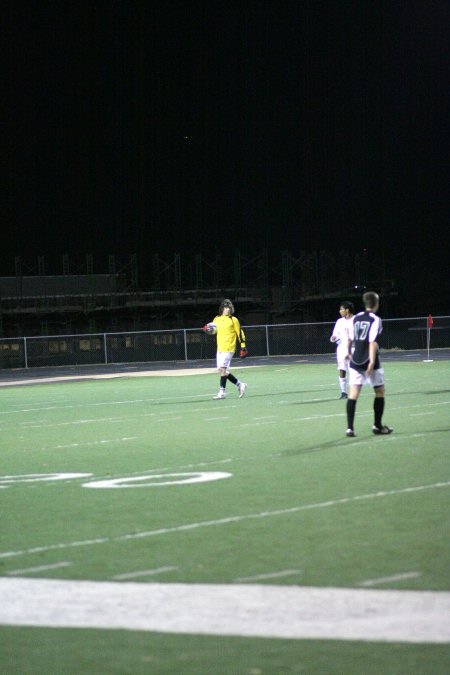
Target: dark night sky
<point>198,126</point>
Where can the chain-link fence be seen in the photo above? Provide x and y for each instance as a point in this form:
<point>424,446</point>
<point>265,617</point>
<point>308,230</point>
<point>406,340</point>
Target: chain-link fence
<point>192,344</point>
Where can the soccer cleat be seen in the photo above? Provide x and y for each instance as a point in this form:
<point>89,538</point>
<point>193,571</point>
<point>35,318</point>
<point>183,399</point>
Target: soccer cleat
<point>350,433</point>
<point>242,387</point>
<point>343,395</point>
<point>382,430</point>
<point>220,395</point>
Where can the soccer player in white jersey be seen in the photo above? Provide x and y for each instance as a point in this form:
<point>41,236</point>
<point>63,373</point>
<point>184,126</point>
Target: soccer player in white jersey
<point>365,366</point>
<point>340,336</point>
<point>229,332</point>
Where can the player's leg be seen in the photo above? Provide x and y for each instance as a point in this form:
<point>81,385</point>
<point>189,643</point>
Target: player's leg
<point>223,361</point>
<point>343,383</point>
<point>240,385</point>
<point>356,381</point>
<point>222,364</point>
<point>342,363</point>
<point>377,381</point>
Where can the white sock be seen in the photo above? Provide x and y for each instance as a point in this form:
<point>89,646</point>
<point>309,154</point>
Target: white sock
<point>343,384</point>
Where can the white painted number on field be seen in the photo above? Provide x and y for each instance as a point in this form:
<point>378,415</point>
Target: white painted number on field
<point>155,480</point>
<point>151,480</point>
<point>6,481</point>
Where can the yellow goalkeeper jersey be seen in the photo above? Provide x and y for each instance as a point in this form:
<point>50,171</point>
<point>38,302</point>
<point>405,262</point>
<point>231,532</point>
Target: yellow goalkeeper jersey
<point>228,331</point>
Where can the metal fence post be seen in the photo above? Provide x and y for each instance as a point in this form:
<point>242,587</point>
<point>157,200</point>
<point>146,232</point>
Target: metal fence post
<point>25,354</point>
<point>267,340</point>
<point>185,344</point>
<point>105,348</point>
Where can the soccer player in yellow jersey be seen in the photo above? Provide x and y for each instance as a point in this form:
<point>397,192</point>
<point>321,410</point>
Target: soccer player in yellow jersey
<point>229,331</point>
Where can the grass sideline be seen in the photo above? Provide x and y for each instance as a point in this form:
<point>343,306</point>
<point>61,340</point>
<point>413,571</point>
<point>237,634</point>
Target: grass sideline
<point>284,445</point>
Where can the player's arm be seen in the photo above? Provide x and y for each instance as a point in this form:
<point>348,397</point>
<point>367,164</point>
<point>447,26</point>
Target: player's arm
<point>373,348</point>
<point>350,339</point>
<point>334,335</point>
<point>349,348</point>
<point>241,337</point>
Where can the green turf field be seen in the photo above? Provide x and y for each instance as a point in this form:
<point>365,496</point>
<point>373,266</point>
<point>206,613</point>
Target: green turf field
<point>147,480</point>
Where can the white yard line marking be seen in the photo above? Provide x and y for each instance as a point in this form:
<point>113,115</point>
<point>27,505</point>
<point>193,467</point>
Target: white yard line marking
<point>39,568</point>
<point>269,575</point>
<point>78,405</point>
<point>102,441</point>
<point>96,404</point>
<point>42,477</point>
<point>215,419</point>
<point>129,418</point>
<point>225,521</point>
<point>94,420</point>
<point>143,573</point>
<point>287,612</point>
<point>169,419</point>
<point>422,414</point>
<point>257,424</point>
<point>386,580</point>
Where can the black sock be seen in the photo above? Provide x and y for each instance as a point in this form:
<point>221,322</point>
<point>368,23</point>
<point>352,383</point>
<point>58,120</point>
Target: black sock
<point>223,381</point>
<point>232,378</point>
<point>351,406</point>
<point>378,408</point>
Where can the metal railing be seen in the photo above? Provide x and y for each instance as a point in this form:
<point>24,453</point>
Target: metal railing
<point>191,344</point>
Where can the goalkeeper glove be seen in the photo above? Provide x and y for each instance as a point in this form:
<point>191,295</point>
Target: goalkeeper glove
<point>243,353</point>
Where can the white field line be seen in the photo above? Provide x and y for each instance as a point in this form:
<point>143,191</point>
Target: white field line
<point>422,413</point>
<point>39,568</point>
<point>72,406</point>
<point>268,575</point>
<point>257,424</point>
<point>97,420</point>
<point>247,610</point>
<point>43,477</point>
<point>144,573</point>
<point>216,419</point>
<point>343,442</point>
<point>93,420</point>
<point>386,580</point>
<point>115,376</point>
<point>224,521</point>
<point>96,404</point>
<point>44,407</point>
<point>208,409</point>
<point>102,441</point>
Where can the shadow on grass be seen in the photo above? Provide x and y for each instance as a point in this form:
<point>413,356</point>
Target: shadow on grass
<point>317,400</point>
<point>391,393</point>
<point>437,391</point>
<point>345,442</point>
<point>319,447</point>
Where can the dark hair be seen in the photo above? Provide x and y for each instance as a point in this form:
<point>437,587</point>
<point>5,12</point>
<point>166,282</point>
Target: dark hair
<point>370,299</point>
<point>226,303</point>
<point>348,305</point>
